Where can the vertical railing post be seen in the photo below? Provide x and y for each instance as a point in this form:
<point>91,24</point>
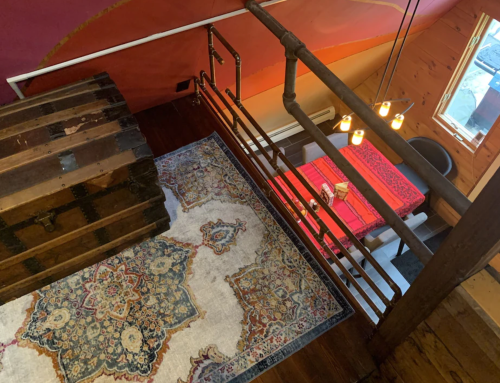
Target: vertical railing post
<point>211,55</point>
<point>238,78</point>
<point>196,100</point>
<point>290,75</point>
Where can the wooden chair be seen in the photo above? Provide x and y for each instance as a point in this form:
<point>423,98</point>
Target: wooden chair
<point>434,153</point>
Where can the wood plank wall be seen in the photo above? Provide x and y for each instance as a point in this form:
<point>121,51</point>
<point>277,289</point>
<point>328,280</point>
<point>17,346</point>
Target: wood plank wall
<point>425,70</point>
<point>458,342</point>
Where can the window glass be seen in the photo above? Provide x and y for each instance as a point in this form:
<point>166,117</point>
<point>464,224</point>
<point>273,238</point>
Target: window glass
<point>475,104</point>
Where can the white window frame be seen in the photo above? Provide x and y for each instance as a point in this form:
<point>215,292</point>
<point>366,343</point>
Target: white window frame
<point>446,121</point>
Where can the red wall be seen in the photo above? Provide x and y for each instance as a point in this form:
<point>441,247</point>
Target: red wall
<point>29,29</point>
<point>147,74</point>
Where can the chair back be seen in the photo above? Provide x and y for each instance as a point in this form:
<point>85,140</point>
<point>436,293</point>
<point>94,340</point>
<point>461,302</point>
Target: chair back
<point>434,153</point>
<point>312,151</point>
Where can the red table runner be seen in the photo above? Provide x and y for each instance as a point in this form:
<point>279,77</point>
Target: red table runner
<point>355,211</point>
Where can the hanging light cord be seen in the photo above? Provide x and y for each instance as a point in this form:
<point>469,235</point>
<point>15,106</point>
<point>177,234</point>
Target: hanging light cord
<point>392,52</point>
<point>401,50</point>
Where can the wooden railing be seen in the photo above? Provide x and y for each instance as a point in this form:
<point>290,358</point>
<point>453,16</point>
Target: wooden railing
<point>234,125</point>
<point>472,243</point>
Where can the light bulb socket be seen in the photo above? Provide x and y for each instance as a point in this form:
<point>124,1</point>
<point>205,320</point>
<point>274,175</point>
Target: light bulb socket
<point>357,137</point>
<point>397,122</point>
<point>384,108</point>
<point>345,124</point>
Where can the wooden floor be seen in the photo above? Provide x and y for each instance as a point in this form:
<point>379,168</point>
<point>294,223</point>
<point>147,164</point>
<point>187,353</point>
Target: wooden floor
<point>458,343</point>
<point>171,126</point>
<point>340,355</point>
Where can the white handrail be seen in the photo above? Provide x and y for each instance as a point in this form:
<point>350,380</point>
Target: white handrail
<point>12,81</point>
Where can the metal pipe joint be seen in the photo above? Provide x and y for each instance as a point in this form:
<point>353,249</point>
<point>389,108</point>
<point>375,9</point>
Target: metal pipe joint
<point>213,53</point>
<point>292,45</point>
<point>196,100</point>
<point>218,57</point>
<point>233,98</point>
<point>290,103</point>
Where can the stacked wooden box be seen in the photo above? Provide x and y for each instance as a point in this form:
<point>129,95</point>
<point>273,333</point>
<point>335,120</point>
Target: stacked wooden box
<point>77,184</point>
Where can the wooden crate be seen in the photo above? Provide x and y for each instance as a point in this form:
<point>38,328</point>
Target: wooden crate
<point>77,184</point>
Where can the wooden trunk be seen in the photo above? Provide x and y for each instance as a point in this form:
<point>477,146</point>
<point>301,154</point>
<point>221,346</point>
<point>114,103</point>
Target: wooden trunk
<point>77,184</point>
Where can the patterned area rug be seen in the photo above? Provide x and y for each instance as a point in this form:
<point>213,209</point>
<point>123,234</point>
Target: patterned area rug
<point>224,295</point>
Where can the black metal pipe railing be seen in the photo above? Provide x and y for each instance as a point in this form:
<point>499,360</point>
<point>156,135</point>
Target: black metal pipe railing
<point>211,103</point>
<point>213,31</point>
<point>322,230</point>
<point>354,240</point>
<point>422,167</point>
<point>389,215</point>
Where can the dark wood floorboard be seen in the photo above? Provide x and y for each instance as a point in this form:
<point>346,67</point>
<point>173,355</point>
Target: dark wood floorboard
<point>166,129</point>
<point>338,356</point>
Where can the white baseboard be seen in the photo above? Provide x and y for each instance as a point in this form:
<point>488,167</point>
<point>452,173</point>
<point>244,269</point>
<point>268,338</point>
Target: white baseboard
<point>294,127</point>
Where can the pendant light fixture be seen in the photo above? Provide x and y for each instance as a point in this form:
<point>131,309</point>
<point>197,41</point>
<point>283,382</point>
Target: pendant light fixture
<point>385,105</point>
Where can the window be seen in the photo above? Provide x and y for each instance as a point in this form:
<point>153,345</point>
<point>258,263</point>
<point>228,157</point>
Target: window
<point>471,105</point>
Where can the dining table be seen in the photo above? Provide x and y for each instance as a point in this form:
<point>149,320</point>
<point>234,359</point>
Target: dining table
<point>355,211</point>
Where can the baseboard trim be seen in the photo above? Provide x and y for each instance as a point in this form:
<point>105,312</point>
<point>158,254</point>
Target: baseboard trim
<point>294,127</point>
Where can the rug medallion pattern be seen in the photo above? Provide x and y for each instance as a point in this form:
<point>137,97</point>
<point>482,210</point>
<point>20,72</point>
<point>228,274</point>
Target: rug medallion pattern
<point>219,236</point>
<point>135,314</point>
<point>115,317</point>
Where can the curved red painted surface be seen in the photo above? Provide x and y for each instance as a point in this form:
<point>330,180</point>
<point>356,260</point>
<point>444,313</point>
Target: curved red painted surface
<point>147,74</point>
<point>30,29</point>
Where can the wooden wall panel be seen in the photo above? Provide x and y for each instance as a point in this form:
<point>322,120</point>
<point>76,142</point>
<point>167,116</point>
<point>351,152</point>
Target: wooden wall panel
<point>462,20</point>
<point>423,74</point>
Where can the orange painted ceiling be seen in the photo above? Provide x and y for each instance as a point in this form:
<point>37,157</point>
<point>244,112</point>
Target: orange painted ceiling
<point>147,75</point>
